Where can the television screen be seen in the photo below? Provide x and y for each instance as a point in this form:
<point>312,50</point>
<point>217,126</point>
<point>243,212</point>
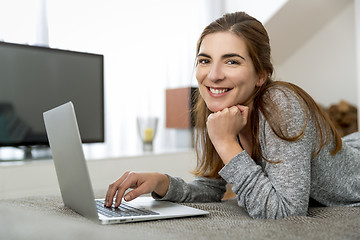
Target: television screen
<point>35,79</point>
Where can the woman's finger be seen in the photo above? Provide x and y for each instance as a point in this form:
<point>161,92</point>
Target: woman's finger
<point>141,189</point>
<point>131,181</point>
<point>113,189</point>
<point>244,111</point>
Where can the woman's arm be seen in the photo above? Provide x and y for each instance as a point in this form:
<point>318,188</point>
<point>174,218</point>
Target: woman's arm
<point>164,187</point>
<point>200,190</point>
<point>280,192</point>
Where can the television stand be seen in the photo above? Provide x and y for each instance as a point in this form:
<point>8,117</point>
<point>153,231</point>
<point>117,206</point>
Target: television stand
<point>24,153</point>
<point>36,152</point>
<point>28,152</point>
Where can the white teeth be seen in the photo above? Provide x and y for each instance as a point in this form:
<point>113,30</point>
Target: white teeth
<point>218,91</point>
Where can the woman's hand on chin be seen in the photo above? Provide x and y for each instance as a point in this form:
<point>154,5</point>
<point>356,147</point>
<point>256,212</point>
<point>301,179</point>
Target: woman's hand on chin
<point>223,127</point>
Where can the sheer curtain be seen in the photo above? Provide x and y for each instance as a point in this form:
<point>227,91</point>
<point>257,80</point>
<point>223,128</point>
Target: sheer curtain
<point>23,21</point>
<point>148,46</point>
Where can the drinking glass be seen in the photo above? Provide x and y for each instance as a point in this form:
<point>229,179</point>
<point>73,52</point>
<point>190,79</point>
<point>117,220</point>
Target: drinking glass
<point>147,127</point>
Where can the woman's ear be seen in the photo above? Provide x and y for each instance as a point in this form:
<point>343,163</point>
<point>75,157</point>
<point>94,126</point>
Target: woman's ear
<point>262,79</point>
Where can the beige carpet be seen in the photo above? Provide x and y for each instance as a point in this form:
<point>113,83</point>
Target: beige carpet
<point>47,218</point>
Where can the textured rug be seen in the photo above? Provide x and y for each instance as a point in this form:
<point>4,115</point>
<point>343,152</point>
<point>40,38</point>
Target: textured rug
<point>47,218</point>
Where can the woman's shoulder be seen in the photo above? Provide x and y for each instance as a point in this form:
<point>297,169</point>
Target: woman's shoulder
<point>283,94</point>
<point>284,108</point>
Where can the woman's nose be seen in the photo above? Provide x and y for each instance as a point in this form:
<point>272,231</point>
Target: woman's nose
<point>216,73</point>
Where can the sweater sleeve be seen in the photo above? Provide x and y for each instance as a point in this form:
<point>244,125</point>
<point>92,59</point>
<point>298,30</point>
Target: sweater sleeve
<point>200,190</point>
<point>275,190</point>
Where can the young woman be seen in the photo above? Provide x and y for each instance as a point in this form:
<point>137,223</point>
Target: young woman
<point>269,139</point>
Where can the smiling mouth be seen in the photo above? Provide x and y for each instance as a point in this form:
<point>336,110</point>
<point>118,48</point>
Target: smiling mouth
<point>218,90</point>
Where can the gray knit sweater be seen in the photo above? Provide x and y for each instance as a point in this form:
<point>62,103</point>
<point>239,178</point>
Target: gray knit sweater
<point>279,190</point>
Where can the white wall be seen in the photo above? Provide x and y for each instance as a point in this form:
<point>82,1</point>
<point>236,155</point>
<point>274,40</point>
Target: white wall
<point>357,38</point>
<point>263,13</point>
<point>325,65</point>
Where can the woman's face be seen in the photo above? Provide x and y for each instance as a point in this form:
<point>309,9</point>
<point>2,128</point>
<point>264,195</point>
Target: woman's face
<point>225,72</point>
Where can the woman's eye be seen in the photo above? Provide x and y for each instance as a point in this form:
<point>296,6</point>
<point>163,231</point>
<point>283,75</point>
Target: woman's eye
<point>203,61</point>
<point>232,62</point>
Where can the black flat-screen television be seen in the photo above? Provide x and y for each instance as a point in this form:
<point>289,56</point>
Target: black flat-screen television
<point>35,79</point>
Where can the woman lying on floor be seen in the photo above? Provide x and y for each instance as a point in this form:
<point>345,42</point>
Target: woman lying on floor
<point>267,138</point>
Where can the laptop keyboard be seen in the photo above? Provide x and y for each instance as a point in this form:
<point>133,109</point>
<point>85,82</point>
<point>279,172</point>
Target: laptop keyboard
<point>124,210</point>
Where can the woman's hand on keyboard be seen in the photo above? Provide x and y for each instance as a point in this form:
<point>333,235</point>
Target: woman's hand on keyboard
<point>142,183</point>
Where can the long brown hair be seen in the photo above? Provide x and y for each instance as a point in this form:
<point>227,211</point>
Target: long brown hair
<point>257,43</point>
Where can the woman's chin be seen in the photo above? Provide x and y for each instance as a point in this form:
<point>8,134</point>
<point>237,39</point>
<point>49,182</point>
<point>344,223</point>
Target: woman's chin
<point>216,108</point>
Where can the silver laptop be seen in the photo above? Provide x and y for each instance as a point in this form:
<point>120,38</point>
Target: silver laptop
<point>74,180</point>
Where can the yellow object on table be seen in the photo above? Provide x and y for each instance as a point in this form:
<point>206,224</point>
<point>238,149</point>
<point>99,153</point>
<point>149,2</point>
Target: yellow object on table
<point>148,136</point>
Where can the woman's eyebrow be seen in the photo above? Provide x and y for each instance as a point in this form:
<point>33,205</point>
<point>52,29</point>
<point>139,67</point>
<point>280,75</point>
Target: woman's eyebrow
<point>204,55</point>
<point>229,55</point>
